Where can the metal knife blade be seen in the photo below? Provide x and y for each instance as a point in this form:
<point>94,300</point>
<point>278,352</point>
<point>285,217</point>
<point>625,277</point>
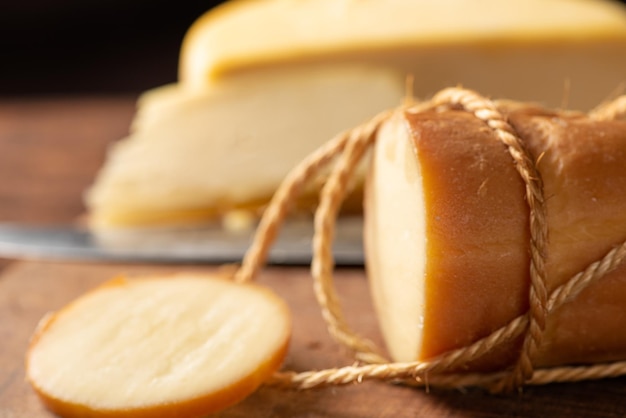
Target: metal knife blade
<point>206,244</point>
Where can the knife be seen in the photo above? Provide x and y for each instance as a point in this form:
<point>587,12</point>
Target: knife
<point>205,244</point>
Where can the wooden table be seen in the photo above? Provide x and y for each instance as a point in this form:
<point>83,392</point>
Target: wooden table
<point>49,152</point>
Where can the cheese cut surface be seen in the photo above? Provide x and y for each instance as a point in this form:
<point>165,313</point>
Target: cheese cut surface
<point>447,226</point>
<point>195,155</point>
<point>396,237</point>
<point>158,347</point>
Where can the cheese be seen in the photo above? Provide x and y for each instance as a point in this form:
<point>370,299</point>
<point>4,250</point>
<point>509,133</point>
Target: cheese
<point>526,50</point>
<point>186,345</point>
<point>197,154</point>
<point>262,83</point>
<point>448,245</point>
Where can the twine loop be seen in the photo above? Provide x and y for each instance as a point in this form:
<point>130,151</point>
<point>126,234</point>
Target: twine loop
<point>345,152</point>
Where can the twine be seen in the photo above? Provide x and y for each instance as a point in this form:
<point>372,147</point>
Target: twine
<point>613,110</point>
<point>348,149</point>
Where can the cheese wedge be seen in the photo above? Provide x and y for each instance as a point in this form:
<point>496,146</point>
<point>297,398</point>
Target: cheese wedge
<point>263,83</point>
<point>447,233</point>
<point>183,346</point>
<point>195,155</point>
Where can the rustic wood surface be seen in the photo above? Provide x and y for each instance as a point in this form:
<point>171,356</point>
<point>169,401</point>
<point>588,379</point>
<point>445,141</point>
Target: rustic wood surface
<point>49,151</point>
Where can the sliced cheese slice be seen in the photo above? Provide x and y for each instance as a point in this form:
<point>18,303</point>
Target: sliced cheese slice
<point>447,233</point>
<point>183,346</point>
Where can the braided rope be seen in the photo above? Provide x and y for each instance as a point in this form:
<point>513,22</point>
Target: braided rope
<point>351,146</point>
<point>613,110</point>
<point>322,264</point>
<point>406,373</point>
<point>277,209</point>
<point>433,371</point>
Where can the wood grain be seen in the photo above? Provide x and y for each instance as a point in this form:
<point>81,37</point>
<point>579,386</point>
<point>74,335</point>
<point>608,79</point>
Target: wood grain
<point>30,289</point>
<point>50,150</point>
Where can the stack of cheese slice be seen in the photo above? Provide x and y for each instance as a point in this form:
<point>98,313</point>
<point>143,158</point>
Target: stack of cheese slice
<point>263,83</point>
<point>447,233</point>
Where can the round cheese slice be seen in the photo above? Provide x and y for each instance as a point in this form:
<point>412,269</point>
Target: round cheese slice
<point>182,346</point>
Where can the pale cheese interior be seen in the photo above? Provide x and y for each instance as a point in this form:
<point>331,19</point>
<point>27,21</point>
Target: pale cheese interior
<point>217,149</point>
<point>557,52</point>
<point>395,235</point>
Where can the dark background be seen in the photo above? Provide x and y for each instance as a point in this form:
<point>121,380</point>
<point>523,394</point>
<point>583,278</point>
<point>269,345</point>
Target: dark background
<point>61,47</point>
<point>65,47</point>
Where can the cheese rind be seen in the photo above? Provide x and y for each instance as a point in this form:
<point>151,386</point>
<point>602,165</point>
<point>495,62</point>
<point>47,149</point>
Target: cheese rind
<point>583,167</point>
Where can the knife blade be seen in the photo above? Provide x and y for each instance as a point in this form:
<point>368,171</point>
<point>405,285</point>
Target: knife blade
<point>205,244</point>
